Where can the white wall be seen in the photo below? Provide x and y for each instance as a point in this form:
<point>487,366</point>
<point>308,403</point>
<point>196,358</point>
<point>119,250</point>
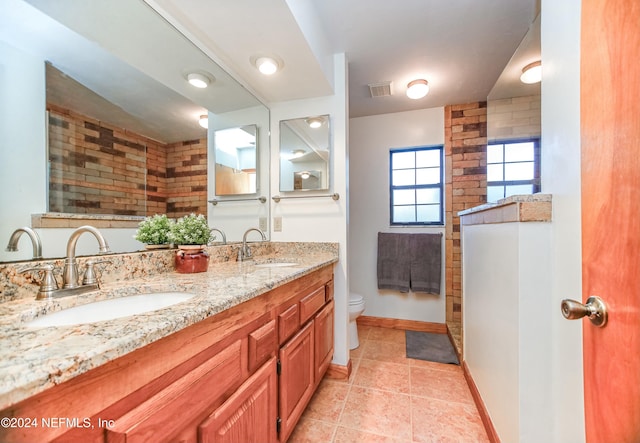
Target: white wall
<point>561,177</point>
<point>506,286</point>
<point>23,129</point>
<point>370,140</point>
<point>319,219</point>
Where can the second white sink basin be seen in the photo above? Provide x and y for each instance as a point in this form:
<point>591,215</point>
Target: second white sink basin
<point>110,309</point>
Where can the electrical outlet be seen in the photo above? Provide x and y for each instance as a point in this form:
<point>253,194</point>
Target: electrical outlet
<point>277,224</point>
<point>262,224</point>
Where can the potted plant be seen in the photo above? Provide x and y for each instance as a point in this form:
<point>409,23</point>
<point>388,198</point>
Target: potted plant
<point>191,234</point>
<point>154,231</point>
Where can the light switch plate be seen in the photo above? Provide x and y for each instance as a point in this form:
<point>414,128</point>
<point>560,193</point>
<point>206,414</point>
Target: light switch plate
<point>262,224</point>
<point>277,224</point>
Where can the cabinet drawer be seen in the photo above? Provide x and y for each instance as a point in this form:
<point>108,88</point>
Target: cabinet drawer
<point>288,323</point>
<point>329,291</point>
<point>310,304</point>
<point>262,345</point>
<point>163,415</point>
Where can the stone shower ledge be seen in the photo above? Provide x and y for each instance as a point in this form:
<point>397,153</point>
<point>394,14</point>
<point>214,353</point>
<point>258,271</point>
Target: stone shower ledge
<point>516,208</point>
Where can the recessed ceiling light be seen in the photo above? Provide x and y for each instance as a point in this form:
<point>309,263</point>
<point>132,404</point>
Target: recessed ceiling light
<point>532,73</point>
<point>314,122</point>
<point>417,89</point>
<point>267,65</point>
<point>198,80</point>
<point>203,121</point>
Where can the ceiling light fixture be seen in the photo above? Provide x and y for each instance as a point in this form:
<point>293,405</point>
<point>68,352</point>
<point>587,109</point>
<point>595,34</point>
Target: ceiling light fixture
<point>198,80</point>
<point>267,65</point>
<point>417,89</point>
<point>305,175</point>
<point>203,121</point>
<point>532,73</point>
<point>314,122</point>
<point>298,153</point>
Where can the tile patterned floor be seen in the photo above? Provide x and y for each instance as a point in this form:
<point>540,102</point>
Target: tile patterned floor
<point>391,399</point>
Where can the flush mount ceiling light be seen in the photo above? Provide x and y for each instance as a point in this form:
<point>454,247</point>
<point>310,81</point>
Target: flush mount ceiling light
<point>198,80</point>
<point>305,175</point>
<point>314,122</point>
<point>266,65</point>
<point>532,73</point>
<point>417,89</point>
<point>298,153</point>
<point>203,121</point>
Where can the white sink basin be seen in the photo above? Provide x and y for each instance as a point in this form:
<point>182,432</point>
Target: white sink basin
<point>275,265</point>
<point>110,309</point>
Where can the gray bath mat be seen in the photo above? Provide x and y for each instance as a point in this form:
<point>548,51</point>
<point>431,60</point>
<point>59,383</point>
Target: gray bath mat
<point>431,347</point>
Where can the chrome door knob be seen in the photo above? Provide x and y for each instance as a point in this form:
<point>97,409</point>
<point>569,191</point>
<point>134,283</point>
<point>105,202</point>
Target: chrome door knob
<point>594,309</point>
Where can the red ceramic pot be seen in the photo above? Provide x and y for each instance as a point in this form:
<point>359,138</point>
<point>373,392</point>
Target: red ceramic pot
<point>191,261</point>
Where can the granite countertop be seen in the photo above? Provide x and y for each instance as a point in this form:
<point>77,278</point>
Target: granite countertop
<point>35,359</point>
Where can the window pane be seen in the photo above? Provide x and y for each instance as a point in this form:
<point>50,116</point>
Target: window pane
<point>427,196</point>
<point>428,213</point>
<point>427,176</point>
<point>404,214</point>
<point>427,158</point>
<point>403,160</point>
<point>519,189</point>
<point>518,152</point>
<point>518,171</point>
<point>494,193</point>
<point>403,177</point>
<point>494,153</point>
<point>404,197</point>
<point>494,173</point>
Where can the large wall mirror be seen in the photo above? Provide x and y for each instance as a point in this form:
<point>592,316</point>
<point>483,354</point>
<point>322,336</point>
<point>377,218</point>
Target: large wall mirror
<point>117,83</point>
<point>305,154</point>
<point>514,125</point>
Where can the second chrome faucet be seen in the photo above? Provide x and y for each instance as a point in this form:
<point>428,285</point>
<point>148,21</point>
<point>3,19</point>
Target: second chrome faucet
<point>245,251</point>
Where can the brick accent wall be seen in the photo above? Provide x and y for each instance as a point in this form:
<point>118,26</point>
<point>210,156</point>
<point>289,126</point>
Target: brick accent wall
<point>514,118</point>
<point>187,178</point>
<point>115,171</point>
<point>465,186</point>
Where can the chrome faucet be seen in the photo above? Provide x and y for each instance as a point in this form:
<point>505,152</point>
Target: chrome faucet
<point>70,272</point>
<point>35,241</point>
<point>245,251</point>
<point>224,237</point>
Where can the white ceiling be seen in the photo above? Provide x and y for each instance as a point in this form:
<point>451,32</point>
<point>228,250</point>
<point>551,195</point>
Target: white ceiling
<point>459,46</point>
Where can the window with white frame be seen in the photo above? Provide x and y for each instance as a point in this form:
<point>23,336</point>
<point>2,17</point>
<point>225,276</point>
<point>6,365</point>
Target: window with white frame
<point>415,179</point>
<point>513,167</point>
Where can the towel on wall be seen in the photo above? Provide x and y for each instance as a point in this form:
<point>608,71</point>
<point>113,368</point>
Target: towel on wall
<point>426,262</point>
<point>394,263</point>
<point>410,262</point>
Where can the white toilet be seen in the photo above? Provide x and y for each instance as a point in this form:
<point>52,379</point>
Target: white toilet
<point>356,307</point>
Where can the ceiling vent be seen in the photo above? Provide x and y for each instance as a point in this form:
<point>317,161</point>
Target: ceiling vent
<point>381,89</point>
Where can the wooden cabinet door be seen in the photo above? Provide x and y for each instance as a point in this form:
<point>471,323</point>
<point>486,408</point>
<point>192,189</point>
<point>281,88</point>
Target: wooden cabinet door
<point>249,415</point>
<point>323,340</point>
<point>296,378</point>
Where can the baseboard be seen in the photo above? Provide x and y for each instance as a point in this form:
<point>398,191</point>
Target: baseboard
<point>396,323</point>
<point>339,372</point>
<point>482,409</point>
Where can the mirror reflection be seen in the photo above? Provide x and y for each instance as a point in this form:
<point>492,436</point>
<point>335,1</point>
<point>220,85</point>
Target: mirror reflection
<point>305,153</point>
<point>125,98</point>
<point>236,158</point>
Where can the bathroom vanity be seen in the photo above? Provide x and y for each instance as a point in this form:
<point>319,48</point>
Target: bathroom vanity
<point>239,361</point>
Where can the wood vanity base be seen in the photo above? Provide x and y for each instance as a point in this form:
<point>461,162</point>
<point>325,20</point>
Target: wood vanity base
<point>201,384</point>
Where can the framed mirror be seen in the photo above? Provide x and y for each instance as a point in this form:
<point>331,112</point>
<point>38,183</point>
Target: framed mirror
<point>236,160</point>
<point>305,154</point>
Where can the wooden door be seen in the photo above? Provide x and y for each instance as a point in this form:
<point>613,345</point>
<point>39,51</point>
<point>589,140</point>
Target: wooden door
<point>249,415</point>
<point>296,378</point>
<point>610,132</point>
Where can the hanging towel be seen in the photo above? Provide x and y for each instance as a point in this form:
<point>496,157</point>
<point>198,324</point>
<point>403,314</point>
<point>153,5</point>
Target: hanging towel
<point>394,261</point>
<point>426,262</point>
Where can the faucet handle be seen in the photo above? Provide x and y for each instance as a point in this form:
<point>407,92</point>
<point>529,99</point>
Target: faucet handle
<point>48,284</point>
<point>90,277</point>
